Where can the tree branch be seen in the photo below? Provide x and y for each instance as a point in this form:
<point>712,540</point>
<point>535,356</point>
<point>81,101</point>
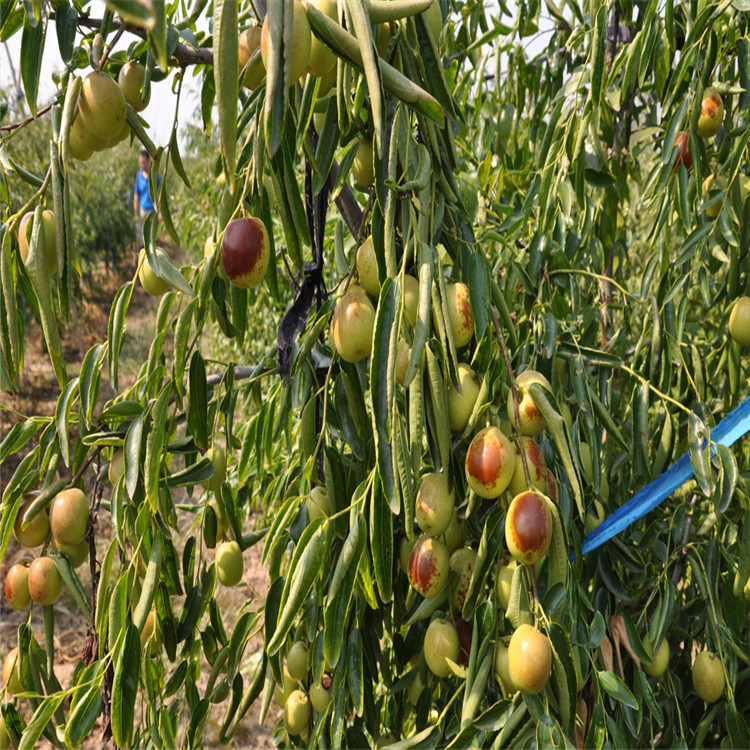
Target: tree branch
<point>348,206</point>
<point>30,118</point>
<point>183,54</point>
<point>241,372</point>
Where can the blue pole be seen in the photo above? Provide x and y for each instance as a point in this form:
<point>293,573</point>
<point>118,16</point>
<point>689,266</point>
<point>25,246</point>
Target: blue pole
<point>728,431</point>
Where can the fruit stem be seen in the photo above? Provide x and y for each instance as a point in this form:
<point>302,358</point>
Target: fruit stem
<point>516,415</point>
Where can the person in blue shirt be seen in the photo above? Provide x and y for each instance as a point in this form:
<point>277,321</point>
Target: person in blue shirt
<point>142,202</point>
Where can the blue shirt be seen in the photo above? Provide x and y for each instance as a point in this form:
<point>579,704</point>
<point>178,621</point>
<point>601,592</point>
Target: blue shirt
<point>141,190</point>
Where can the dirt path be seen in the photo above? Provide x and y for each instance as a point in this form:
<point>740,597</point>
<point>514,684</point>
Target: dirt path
<point>38,396</point>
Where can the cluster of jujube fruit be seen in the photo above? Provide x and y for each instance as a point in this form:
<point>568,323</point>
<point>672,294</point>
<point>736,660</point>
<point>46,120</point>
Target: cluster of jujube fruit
<point>101,120</point>
<point>62,527</point>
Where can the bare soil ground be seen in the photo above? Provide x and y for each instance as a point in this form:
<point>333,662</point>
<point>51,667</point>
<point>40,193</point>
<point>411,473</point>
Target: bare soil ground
<point>38,396</point>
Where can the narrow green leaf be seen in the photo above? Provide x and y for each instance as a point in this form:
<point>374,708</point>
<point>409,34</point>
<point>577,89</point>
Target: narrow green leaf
<point>226,65</point>
<point>32,51</point>
<point>125,687</point>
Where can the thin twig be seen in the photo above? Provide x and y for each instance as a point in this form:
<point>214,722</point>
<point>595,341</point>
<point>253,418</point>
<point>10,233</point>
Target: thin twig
<point>79,474</point>
<point>30,118</point>
<point>111,46</point>
<point>514,391</point>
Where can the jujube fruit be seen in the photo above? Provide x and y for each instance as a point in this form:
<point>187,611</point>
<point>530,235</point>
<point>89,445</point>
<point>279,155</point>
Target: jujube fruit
<point>320,697</point>
<point>116,466</point>
<point>532,421</point>
<point>318,503</point>
<point>708,676</point>
<point>81,135</point>
<point>714,184</point>
<point>458,305</point>
<point>151,630</point>
<point>249,49</point>
<point>441,643</point>
<point>528,527</point>
<point>429,566</point>
<point>49,248</point>
<point>297,660</point>
<point>245,252</point>
<point>739,321</point>
<point>322,60</point>
<point>504,581</point>
<point>131,78</point>
<point>102,105</point>
<point>69,516</point>
<point>490,462</point>
<point>403,354</point>
<point>78,148</point>
<point>411,299</point>
<point>45,581</point>
<point>283,691</point>
<point>352,326</point>
<point>218,459</point>
<point>363,169</point>
<point>77,554</point>
<point>712,113</point>
<point>434,504</point>
<point>594,516</point>
<point>461,402</point>
<point>17,586</point>
<point>229,563</point>
<point>11,671</point>
<point>684,154</point>
<point>537,468</point>
<point>151,283</point>
<point>529,659</point>
<point>462,563</point>
<point>36,530</point>
<point>301,43</point>
<point>659,658</point>
<point>297,712</point>
<point>404,553</point>
<point>501,668</point>
<point>455,534</point>
<point>367,267</point>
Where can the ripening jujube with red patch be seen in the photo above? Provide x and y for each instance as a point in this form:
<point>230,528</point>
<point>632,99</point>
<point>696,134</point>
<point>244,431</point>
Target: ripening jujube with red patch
<point>17,586</point>
<point>536,464</point>
<point>245,252</point>
<point>528,527</point>
<point>532,421</point>
<point>712,113</point>
<point>429,566</point>
<point>490,462</point>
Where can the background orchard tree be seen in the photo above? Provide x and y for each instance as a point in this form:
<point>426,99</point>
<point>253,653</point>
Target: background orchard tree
<point>485,296</point>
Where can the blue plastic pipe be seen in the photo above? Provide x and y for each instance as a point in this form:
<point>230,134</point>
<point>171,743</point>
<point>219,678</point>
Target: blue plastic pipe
<point>728,431</point>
